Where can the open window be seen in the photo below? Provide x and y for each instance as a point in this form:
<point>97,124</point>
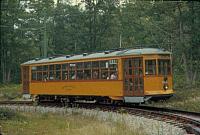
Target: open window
<point>72,69</point>
<point>96,70</point>
<point>51,72</point>
<point>104,65</point>
<point>87,70</point>
<point>65,73</point>
<point>34,73</point>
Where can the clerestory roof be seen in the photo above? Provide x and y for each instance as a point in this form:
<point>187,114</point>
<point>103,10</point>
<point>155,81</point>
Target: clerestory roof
<point>125,52</point>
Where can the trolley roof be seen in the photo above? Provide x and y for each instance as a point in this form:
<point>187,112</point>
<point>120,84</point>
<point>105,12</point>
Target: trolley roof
<point>105,54</point>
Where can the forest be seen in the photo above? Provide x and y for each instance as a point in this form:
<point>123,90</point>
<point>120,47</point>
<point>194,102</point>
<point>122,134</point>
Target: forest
<point>42,28</point>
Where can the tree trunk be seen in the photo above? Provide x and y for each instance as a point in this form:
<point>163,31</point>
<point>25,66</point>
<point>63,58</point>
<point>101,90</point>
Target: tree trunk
<point>187,74</point>
<point>8,77</point>
<point>194,78</point>
<point>185,62</point>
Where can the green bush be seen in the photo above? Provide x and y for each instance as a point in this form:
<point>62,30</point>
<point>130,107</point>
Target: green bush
<point>6,114</point>
<point>10,91</point>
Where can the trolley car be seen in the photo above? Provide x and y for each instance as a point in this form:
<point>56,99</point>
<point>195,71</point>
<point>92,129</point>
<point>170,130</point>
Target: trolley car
<point>129,75</point>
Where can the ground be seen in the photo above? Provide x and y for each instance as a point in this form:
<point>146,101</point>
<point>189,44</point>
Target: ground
<point>22,123</point>
<point>184,98</point>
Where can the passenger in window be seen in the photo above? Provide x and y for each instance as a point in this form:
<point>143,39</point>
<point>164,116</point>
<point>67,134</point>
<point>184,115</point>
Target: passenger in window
<point>95,75</point>
<point>66,76</point>
<point>113,76</point>
<point>79,75</point>
<point>105,76</point>
<point>87,76</point>
<point>51,78</point>
<point>73,77</point>
<point>58,77</point>
<point>126,73</point>
<point>45,78</point>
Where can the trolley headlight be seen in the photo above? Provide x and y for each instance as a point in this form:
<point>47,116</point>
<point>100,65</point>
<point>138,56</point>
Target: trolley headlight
<point>165,87</point>
<point>165,83</point>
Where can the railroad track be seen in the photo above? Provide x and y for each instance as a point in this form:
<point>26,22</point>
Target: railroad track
<point>190,121</point>
<point>18,102</point>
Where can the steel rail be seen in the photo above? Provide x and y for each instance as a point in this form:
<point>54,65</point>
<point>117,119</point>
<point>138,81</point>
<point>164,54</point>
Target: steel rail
<point>17,102</point>
<point>190,121</point>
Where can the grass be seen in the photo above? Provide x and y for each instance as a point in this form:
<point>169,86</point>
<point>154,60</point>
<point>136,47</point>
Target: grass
<point>10,91</point>
<point>54,124</point>
<point>184,99</point>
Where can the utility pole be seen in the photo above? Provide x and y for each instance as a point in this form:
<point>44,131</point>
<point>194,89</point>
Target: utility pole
<point>75,46</point>
<point>120,41</point>
<point>45,38</point>
<point>120,36</point>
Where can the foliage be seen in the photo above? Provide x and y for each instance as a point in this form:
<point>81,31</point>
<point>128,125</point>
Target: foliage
<point>9,92</point>
<point>6,114</point>
<point>184,99</point>
<point>94,25</point>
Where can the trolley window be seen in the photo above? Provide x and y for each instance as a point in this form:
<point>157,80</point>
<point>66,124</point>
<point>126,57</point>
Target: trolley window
<point>80,67</point>
<point>65,73</point>
<point>164,67</point>
<point>33,75</point>
<point>72,71</point>
<point>150,67</point>
<point>51,72</point>
<point>109,69</point>
<point>34,72</point>
<point>76,71</point>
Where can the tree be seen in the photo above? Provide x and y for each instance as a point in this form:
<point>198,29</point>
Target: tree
<point>95,25</point>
